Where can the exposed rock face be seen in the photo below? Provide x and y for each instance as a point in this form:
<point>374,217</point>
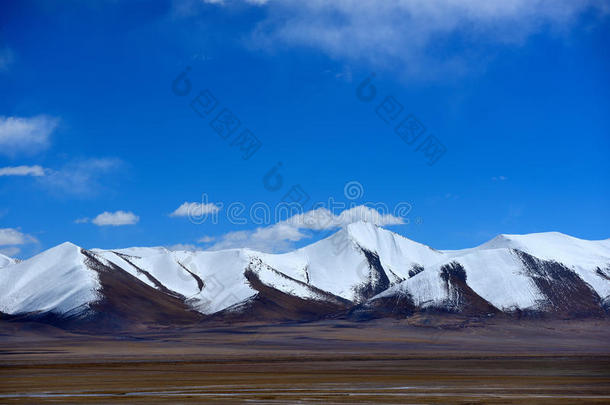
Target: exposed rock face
<point>564,291</point>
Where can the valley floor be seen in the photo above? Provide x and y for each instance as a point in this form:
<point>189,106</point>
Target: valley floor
<point>383,361</point>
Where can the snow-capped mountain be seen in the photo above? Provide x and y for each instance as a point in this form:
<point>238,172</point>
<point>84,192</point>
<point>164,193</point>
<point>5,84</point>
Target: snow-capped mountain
<point>361,269</point>
<point>56,280</point>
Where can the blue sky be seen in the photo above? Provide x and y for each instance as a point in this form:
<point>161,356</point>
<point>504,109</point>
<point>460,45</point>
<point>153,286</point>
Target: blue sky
<point>96,147</point>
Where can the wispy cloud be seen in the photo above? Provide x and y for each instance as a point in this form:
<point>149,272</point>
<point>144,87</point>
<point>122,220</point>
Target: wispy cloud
<point>193,209</point>
<point>10,251</point>
<point>407,35</point>
<point>11,236</point>
<point>35,171</point>
<point>118,218</point>
<point>187,247</point>
<point>20,135</point>
<point>324,219</point>
<point>283,235</point>
<point>80,178</point>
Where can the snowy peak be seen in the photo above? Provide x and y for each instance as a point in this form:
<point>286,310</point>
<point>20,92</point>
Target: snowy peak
<point>395,252</point>
<point>356,262</point>
<point>372,237</point>
<point>543,272</point>
<point>554,246</point>
<point>515,241</point>
<point>56,280</point>
<point>389,244</point>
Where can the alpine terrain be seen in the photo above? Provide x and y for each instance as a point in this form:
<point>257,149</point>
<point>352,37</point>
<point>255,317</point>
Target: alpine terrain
<point>362,272</point>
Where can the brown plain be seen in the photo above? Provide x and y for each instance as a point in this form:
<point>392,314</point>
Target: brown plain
<point>410,361</point>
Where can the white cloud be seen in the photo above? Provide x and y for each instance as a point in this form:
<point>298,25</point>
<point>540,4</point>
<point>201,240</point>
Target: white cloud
<point>206,239</point>
<point>36,171</point>
<point>193,209</point>
<point>407,35</point>
<point>189,8</point>
<point>84,220</point>
<point>282,235</point>
<point>25,135</point>
<point>323,219</point>
<point>187,247</point>
<point>11,236</point>
<point>117,218</point>
<point>76,178</point>
<point>10,251</point>
<point>256,2</point>
<point>80,178</point>
<point>257,240</point>
<point>364,213</point>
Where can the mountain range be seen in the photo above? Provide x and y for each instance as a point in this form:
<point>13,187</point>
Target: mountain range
<point>361,272</point>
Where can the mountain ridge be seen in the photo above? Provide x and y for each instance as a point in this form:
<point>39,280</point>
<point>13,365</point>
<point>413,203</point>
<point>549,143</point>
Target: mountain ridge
<point>361,266</point>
